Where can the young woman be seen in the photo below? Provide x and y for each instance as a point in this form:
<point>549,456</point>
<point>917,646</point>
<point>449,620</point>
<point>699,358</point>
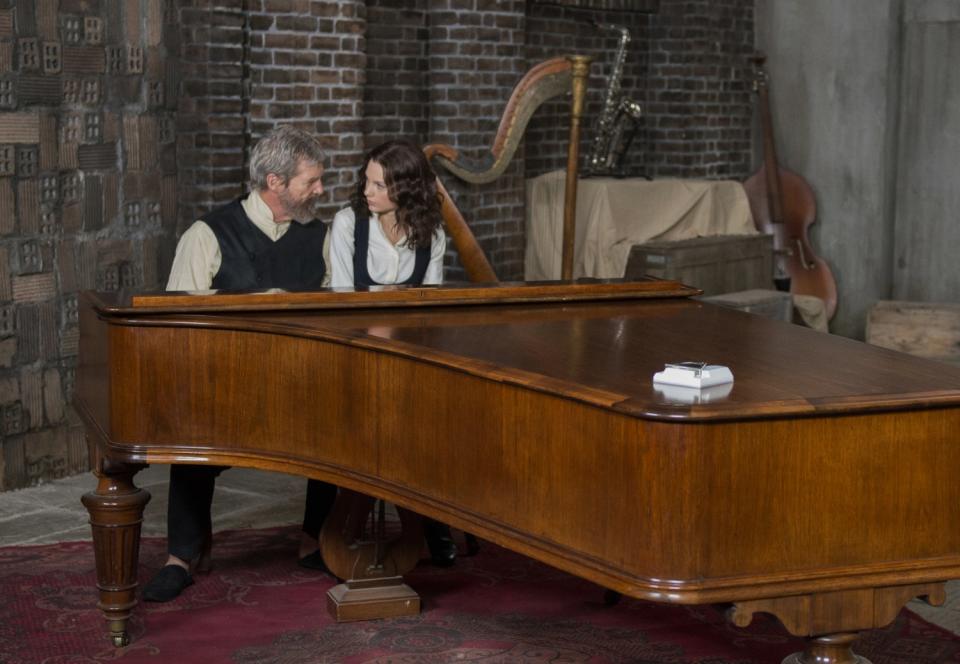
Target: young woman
<point>392,232</point>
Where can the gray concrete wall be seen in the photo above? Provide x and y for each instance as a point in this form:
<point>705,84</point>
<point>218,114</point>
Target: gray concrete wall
<point>927,210</point>
<point>833,69</point>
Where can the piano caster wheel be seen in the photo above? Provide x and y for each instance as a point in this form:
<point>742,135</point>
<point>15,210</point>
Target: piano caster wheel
<point>120,639</point>
<point>611,598</point>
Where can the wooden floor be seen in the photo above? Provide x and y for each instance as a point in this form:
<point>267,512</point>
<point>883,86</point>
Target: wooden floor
<point>244,499</point>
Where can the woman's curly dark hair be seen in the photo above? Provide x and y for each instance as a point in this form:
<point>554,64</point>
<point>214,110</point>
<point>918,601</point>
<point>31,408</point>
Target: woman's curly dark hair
<point>411,185</point>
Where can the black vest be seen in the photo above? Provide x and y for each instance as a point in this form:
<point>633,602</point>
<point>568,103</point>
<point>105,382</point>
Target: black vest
<point>361,243</point>
<point>252,261</point>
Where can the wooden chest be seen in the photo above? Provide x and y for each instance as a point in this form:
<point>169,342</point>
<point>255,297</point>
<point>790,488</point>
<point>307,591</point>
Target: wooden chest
<point>924,329</point>
<point>715,264</point>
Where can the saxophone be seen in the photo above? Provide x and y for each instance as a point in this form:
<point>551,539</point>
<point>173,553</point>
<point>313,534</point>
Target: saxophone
<point>618,119</point>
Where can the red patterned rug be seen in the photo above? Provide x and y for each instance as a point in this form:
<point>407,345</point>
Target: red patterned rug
<point>497,607</point>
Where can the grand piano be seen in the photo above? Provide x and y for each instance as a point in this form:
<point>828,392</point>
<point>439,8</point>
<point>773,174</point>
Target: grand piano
<point>821,488</point>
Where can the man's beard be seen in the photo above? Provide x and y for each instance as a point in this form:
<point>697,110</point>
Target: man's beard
<point>302,210</point>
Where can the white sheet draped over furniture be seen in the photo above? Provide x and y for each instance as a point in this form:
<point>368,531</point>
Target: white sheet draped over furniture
<point>615,214</point>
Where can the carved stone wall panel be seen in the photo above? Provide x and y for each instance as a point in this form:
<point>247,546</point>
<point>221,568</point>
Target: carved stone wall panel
<point>67,267</point>
<point>83,60</point>
<point>31,398</point>
<point>148,142</point>
<point>28,206</point>
<point>97,157</point>
<point>47,18</point>
<point>53,406</point>
<point>70,341</point>
<point>28,334</point>
<point>111,200</point>
<point>92,203</point>
<point>42,90</point>
<point>149,253</point>
<point>131,14</point>
<point>153,23</point>
<point>68,155</point>
<point>20,127</point>
<point>14,464</point>
<point>131,142</point>
<point>6,23</point>
<point>168,159</point>
<point>8,352</point>
<point>6,57</point>
<point>154,65</point>
<point>87,265</point>
<point>111,127</point>
<point>6,291</point>
<point>168,201</point>
<point>34,287</point>
<point>8,217</point>
<point>49,343</point>
<point>49,145</point>
<point>71,218</point>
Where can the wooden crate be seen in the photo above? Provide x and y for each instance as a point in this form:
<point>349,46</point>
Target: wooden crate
<point>716,264</point>
<point>925,329</point>
<point>761,301</point>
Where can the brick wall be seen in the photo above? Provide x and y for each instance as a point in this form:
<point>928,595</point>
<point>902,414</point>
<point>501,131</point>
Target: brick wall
<point>397,72</point>
<point>687,64</point>
<point>476,58</point>
<point>553,31</point>
<point>247,67</point>
<point>699,89</point>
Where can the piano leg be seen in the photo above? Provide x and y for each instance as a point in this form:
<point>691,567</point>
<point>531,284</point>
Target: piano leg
<point>832,620</point>
<point>116,512</point>
<point>831,649</point>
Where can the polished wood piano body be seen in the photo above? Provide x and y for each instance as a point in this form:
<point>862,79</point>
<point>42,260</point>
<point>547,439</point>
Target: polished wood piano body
<point>822,489</point>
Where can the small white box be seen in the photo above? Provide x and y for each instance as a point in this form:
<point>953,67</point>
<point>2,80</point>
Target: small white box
<point>693,374</point>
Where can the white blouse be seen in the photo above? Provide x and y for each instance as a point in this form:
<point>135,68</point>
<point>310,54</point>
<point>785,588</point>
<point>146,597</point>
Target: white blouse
<point>387,263</point>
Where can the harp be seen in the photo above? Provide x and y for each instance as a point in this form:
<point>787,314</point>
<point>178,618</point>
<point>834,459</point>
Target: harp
<point>544,81</point>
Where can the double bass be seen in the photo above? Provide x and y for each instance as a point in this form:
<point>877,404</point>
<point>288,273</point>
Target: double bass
<point>784,206</point>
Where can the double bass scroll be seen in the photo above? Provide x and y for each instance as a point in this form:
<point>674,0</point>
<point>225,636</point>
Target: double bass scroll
<point>544,81</point>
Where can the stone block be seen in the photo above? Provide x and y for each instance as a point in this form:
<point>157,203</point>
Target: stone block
<point>72,218</point>
<point>42,90</point>
<point>53,405</point>
<point>8,352</point>
<point>84,59</point>
<point>28,206</point>
<point>46,17</point>
<point>66,267</point>
<point>93,218</point>
<point>131,142</point>
<point>22,127</point>
<point>8,215</point>
<point>97,157</point>
<point>6,23</point>
<point>31,397</point>
<point>49,143</point>
<point>34,287</point>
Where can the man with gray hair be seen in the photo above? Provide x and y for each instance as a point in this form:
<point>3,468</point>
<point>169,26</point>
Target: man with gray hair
<point>269,239</point>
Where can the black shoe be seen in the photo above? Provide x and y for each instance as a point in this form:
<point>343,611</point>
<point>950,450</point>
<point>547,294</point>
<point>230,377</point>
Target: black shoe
<point>443,550</point>
<point>314,561</point>
<point>167,584</point>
